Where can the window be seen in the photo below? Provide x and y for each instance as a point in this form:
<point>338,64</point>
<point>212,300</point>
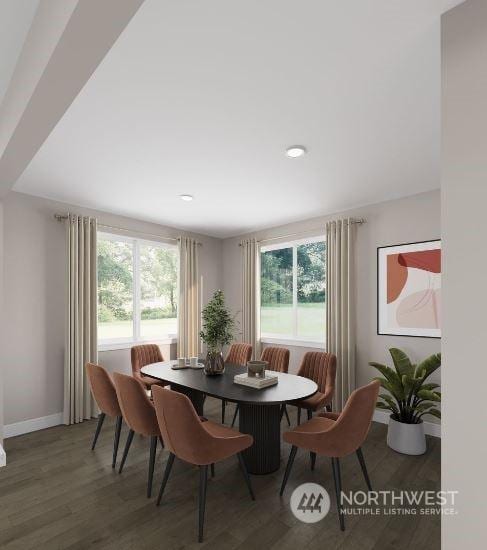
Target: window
<point>292,288</point>
<point>137,290</point>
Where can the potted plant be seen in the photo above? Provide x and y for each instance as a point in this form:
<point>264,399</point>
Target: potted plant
<point>218,331</point>
<point>409,398</point>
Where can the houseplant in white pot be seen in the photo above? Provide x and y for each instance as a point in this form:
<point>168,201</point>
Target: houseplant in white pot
<point>409,398</point>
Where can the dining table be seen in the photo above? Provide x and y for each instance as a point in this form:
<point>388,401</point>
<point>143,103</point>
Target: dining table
<point>260,410</point>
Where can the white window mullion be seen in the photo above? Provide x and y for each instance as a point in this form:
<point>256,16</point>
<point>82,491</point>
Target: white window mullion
<point>136,291</point>
<point>295,291</point>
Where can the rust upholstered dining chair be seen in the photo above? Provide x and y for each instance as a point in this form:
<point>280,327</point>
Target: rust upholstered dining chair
<point>320,367</point>
<point>278,359</point>
<point>336,435</point>
<point>238,354</point>
<point>199,443</point>
<point>106,398</point>
<point>140,416</point>
<point>141,356</point>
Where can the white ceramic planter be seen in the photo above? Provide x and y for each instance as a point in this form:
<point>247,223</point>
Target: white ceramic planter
<point>408,439</point>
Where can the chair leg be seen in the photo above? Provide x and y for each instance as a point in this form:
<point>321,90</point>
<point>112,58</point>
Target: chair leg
<point>116,441</point>
<point>101,419</point>
<point>290,461</point>
<point>126,450</point>
<point>310,414</point>
<point>335,462</point>
<point>202,500</point>
<point>224,404</point>
<point>152,461</point>
<point>212,468</point>
<point>361,459</point>
<point>167,471</point>
<point>313,460</point>
<point>287,416</point>
<point>246,475</point>
<point>235,415</point>
<point>299,416</point>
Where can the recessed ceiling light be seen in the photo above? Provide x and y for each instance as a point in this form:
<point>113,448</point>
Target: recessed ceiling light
<point>295,151</point>
<point>186,197</point>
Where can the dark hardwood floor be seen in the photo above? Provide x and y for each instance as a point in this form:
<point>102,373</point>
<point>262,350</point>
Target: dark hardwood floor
<point>55,493</point>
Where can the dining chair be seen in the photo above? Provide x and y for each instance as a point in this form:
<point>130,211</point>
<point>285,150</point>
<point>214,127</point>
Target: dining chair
<point>105,395</point>
<point>238,354</point>
<point>336,435</point>
<point>320,367</point>
<point>199,443</point>
<point>140,416</point>
<point>143,355</point>
<point>278,359</point>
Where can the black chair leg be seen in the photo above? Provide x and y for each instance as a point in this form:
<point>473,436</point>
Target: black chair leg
<point>287,416</point>
<point>167,471</point>
<point>116,441</point>
<point>101,419</point>
<point>290,461</point>
<point>246,475</point>
<point>299,416</point>
<point>212,468</point>
<point>202,500</point>
<point>152,461</point>
<point>310,414</point>
<point>313,460</point>
<point>335,462</point>
<point>361,459</point>
<point>235,415</point>
<point>224,404</point>
<point>126,450</point>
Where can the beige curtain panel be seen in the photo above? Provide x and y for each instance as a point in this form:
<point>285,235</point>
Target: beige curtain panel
<point>81,327</point>
<point>189,314</point>
<point>340,338</point>
<point>251,295</point>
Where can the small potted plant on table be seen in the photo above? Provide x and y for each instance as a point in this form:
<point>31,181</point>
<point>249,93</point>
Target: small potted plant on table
<point>409,398</point>
<point>218,331</point>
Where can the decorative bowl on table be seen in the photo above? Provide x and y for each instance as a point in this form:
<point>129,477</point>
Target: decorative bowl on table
<point>256,369</point>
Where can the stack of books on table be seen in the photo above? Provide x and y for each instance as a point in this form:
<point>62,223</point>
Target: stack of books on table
<point>255,382</point>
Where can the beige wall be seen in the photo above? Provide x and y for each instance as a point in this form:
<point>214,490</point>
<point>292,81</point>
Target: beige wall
<point>415,218</point>
<point>32,358</point>
<point>464,200</point>
<point>2,366</point>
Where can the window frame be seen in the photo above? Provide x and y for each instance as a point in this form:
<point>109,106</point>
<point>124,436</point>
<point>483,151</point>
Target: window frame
<point>123,343</point>
<point>287,339</point>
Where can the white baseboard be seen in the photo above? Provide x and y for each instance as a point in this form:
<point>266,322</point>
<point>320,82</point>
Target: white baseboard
<point>3,457</point>
<point>430,428</point>
<point>32,425</point>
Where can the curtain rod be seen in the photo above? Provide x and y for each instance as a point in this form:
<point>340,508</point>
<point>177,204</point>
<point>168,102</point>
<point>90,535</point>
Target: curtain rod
<point>359,221</point>
<point>62,217</point>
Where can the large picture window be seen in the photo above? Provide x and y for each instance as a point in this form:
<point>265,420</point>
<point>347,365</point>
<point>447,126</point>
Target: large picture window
<point>293,291</point>
<point>137,290</point>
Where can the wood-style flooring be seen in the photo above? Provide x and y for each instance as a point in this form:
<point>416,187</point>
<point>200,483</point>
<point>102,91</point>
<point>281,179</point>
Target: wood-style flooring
<point>55,493</point>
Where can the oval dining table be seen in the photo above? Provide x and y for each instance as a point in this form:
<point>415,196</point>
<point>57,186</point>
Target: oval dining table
<point>259,409</point>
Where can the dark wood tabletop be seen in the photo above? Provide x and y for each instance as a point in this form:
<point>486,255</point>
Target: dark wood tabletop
<point>289,388</point>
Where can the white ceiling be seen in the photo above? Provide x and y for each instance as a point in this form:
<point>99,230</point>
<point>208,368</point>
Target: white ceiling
<point>15,20</point>
<point>203,98</point>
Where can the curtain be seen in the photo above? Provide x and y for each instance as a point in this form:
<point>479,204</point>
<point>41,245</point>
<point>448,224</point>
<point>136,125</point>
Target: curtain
<point>81,318</point>
<point>189,299</point>
<point>340,315</point>
<point>251,294</point>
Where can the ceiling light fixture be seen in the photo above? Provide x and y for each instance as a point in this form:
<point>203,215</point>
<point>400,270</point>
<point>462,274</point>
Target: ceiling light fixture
<point>186,198</point>
<point>295,151</point>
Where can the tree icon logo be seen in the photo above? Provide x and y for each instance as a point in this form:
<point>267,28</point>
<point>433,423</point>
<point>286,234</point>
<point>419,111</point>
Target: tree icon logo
<point>310,502</point>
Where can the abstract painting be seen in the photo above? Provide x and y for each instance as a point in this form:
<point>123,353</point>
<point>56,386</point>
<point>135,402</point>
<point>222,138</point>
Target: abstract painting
<point>409,289</point>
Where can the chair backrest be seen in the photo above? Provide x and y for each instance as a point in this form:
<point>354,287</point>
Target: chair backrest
<point>320,367</point>
<point>180,426</point>
<point>144,355</point>
<point>353,424</point>
<point>278,358</point>
<point>137,409</point>
<point>239,354</point>
<point>103,390</point>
